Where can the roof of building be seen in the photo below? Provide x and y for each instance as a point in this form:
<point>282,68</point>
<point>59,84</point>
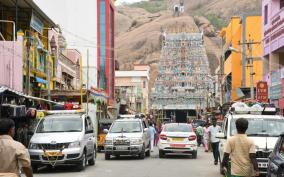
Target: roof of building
<point>9,91</point>
<point>29,4</point>
<point>132,74</point>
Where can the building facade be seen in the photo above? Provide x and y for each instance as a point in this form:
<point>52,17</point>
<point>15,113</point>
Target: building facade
<point>132,88</point>
<point>273,49</point>
<point>11,56</point>
<point>105,50</point>
<point>37,61</point>
<point>236,53</point>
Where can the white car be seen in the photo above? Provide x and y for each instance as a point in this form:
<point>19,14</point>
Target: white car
<point>264,129</point>
<point>177,138</point>
<point>63,138</point>
<point>128,136</point>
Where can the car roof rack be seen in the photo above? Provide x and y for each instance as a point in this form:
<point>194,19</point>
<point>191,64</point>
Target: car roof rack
<point>78,111</point>
<point>130,116</point>
<point>256,109</point>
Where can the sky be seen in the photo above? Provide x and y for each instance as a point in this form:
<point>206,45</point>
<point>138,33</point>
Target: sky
<point>78,21</point>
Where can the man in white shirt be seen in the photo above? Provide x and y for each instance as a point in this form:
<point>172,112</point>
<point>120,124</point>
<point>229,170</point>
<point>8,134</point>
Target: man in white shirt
<point>213,130</point>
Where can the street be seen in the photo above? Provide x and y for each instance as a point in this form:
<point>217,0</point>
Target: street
<point>180,166</point>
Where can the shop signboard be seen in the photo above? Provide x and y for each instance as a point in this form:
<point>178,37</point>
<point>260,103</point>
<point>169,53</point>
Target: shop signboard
<point>275,92</point>
<point>282,73</point>
<point>275,78</point>
<point>282,87</point>
<point>36,23</point>
<point>262,92</point>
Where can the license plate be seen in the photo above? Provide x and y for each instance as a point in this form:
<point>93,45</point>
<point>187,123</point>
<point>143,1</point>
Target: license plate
<point>178,145</point>
<point>121,148</point>
<point>53,154</point>
<point>262,165</point>
<point>177,139</point>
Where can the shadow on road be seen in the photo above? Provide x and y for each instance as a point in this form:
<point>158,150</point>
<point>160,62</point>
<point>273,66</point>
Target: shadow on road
<point>58,169</point>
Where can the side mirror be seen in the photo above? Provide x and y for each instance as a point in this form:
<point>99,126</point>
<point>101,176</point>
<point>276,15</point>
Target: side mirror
<point>221,135</point>
<point>31,133</point>
<point>282,165</point>
<point>89,131</point>
<point>105,131</point>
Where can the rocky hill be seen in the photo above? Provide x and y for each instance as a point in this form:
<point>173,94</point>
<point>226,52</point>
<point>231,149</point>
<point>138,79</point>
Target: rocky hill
<point>138,31</point>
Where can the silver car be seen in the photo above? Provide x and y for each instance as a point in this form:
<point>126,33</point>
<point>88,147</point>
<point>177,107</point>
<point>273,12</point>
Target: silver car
<point>128,136</point>
<point>63,138</point>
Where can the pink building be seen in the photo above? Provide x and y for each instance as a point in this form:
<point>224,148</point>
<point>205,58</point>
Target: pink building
<point>273,49</point>
<point>11,67</point>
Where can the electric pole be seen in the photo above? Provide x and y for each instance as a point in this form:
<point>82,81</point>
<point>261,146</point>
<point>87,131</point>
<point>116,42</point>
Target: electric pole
<point>250,60</point>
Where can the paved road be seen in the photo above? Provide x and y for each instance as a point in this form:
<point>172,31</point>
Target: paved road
<point>172,166</point>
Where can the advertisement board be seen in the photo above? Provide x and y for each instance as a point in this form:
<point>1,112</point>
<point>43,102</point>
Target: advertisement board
<point>262,92</point>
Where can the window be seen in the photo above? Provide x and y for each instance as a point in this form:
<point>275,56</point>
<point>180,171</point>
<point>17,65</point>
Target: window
<point>144,125</point>
<point>281,148</point>
<point>266,14</point>
<point>281,4</point>
<point>102,44</point>
<point>88,124</point>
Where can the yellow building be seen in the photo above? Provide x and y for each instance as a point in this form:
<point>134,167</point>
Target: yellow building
<point>235,55</point>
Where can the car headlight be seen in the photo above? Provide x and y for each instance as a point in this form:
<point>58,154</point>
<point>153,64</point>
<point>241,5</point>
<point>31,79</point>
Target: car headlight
<point>136,141</point>
<point>33,146</point>
<point>108,141</point>
<point>74,144</point>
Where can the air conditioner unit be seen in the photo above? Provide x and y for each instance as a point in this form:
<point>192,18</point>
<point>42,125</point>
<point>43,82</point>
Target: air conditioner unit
<point>9,110</point>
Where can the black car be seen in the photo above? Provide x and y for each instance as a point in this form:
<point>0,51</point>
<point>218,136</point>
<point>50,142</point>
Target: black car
<point>276,159</point>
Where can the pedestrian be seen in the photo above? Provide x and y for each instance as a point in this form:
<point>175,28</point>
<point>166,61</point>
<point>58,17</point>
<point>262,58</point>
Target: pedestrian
<point>199,134</point>
<point>152,135</point>
<point>241,150</point>
<point>206,136</point>
<point>213,130</point>
<point>157,134</point>
<point>13,154</point>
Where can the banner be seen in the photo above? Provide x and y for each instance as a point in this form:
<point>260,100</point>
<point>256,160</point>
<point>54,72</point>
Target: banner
<point>262,92</point>
<point>36,23</point>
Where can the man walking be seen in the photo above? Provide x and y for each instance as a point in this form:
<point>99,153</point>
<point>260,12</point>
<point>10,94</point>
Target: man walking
<point>213,130</point>
<point>152,135</point>
<point>241,151</point>
<point>13,154</point>
<point>199,134</point>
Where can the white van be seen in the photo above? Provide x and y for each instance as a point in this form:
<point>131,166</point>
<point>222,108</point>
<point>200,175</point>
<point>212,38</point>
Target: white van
<point>63,138</point>
<point>264,129</point>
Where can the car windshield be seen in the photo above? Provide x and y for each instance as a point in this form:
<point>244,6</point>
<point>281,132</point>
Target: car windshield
<point>196,123</point>
<point>177,128</point>
<point>126,127</point>
<point>261,127</point>
<point>60,124</point>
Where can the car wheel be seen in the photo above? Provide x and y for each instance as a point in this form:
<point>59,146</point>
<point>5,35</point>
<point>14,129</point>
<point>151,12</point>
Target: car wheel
<point>92,161</point>
<point>83,162</point>
<point>148,153</point>
<point>142,154</point>
<point>35,168</point>
<point>161,154</point>
<point>107,156</point>
<point>194,155</point>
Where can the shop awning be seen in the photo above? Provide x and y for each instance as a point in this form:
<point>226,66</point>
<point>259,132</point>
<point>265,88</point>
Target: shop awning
<point>40,80</point>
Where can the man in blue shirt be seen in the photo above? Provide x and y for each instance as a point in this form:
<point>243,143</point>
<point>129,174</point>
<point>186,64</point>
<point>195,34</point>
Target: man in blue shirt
<point>152,135</point>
